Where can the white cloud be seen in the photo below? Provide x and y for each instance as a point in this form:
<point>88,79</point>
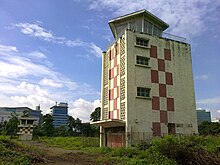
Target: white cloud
<point>97,51</point>
<point>26,82</point>
<point>218,111</point>
<point>214,100</point>
<point>50,82</point>
<point>82,108</point>
<point>4,48</point>
<point>202,77</point>
<point>37,31</point>
<point>186,18</point>
<point>37,55</point>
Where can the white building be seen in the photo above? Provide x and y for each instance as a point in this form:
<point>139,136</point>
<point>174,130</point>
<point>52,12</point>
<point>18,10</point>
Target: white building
<point>147,83</point>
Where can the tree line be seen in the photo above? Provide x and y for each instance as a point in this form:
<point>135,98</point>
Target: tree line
<point>74,127</point>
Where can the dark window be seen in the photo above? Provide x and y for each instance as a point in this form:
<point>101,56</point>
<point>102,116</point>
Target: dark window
<point>143,92</point>
<point>23,121</point>
<point>30,122</point>
<point>142,42</point>
<point>142,60</point>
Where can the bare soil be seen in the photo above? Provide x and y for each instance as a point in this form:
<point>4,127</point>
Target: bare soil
<point>60,156</point>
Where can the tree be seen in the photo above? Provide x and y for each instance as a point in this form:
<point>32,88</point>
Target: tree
<point>209,128</point>
<point>3,127</point>
<point>47,125</point>
<point>12,125</point>
<point>25,113</point>
<point>95,115</point>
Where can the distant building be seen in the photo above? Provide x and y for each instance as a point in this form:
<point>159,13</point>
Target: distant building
<point>26,127</point>
<point>216,120</point>
<point>60,114</point>
<point>5,113</point>
<point>147,83</point>
<point>203,115</point>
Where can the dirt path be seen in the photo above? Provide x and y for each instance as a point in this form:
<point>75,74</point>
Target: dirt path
<point>60,156</point>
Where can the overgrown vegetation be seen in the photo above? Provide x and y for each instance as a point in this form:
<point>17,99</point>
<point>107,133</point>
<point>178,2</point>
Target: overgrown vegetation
<point>168,150</point>
<point>13,153</point>
<point>73,143</point>
<point>209,128</point>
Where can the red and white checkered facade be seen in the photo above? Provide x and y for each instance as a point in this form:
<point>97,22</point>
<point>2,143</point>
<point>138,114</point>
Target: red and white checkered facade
<point>162,82</point>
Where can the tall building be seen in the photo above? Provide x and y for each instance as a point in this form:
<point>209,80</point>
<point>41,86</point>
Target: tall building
<point>203,115</point>
<point>60,114</point>
<point>5,113</point>
<point>147,83</point>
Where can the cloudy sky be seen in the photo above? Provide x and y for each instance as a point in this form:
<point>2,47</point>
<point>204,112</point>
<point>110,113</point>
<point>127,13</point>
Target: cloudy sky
<point>51,50</point>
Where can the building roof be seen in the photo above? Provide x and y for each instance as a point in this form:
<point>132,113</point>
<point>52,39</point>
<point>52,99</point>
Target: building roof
<point>144,12</point>
<point>109,123</point>
<point>15,108</point>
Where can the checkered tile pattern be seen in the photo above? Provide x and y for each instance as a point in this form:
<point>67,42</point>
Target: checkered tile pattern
<point>114,83</point>
<point>26,130</point>
<point>162,79</point>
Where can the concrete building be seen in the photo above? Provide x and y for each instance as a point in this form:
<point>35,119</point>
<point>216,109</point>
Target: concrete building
<point>60,114</point>
<point>26,127</point>
<point>147,83</point>
<point>5,112</point>
<point>203,115</point>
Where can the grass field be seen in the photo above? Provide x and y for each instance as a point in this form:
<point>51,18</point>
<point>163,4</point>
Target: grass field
<point>168,150</point>
<point>161,151</point>
<point>14,153</point>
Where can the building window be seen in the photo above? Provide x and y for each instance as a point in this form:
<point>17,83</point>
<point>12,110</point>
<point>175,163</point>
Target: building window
<point>142,60</point>
<point>143,92</point>
<point>142,42</point>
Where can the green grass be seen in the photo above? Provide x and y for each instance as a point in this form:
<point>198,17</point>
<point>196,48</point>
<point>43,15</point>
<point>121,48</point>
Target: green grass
<point>72,143</point>
<point>166,151</point>
<point>13,153</point>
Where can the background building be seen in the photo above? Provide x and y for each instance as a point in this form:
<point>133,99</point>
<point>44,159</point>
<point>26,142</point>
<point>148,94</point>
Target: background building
<point>60,114</point>
<point>5,112</point>
<point>203,115</point>
<point>147,83</point>
<point>216,120</point>
<point>26,127</point>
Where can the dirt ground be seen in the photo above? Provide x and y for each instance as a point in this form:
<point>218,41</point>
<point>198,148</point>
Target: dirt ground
<point>59,156</point>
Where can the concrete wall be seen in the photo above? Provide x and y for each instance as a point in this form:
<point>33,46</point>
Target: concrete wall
<point>140,115</point>
<point>168,75</point>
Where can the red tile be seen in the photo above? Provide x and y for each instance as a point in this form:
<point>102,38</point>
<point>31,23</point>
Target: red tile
<point>162,90</point>
<point>111,73</point>
<point>110,115</point>
<point>170,104</point>
<point>156,103</point>
<point>115,103</point>
<point>118,69</point>
<point>112,52</point>
<point>167,54</point>
<point>115,61</point>
<point>154,76</point>
<point>163,116</point>
<point>115,82</point>
<point>169,78</point>
<point>153,51</point>
<point>156,129</point>
<point>161,65</point>
<point>111,94</point>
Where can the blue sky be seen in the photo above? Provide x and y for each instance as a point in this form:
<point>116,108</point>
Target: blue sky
<point>51,50</point>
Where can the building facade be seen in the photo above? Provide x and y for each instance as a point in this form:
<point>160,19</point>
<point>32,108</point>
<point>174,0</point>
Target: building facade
<point>5,113</point>
<point>26,127</point>
<point>203,115</point>
<point>60,114</point>
<point>147,83</point>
